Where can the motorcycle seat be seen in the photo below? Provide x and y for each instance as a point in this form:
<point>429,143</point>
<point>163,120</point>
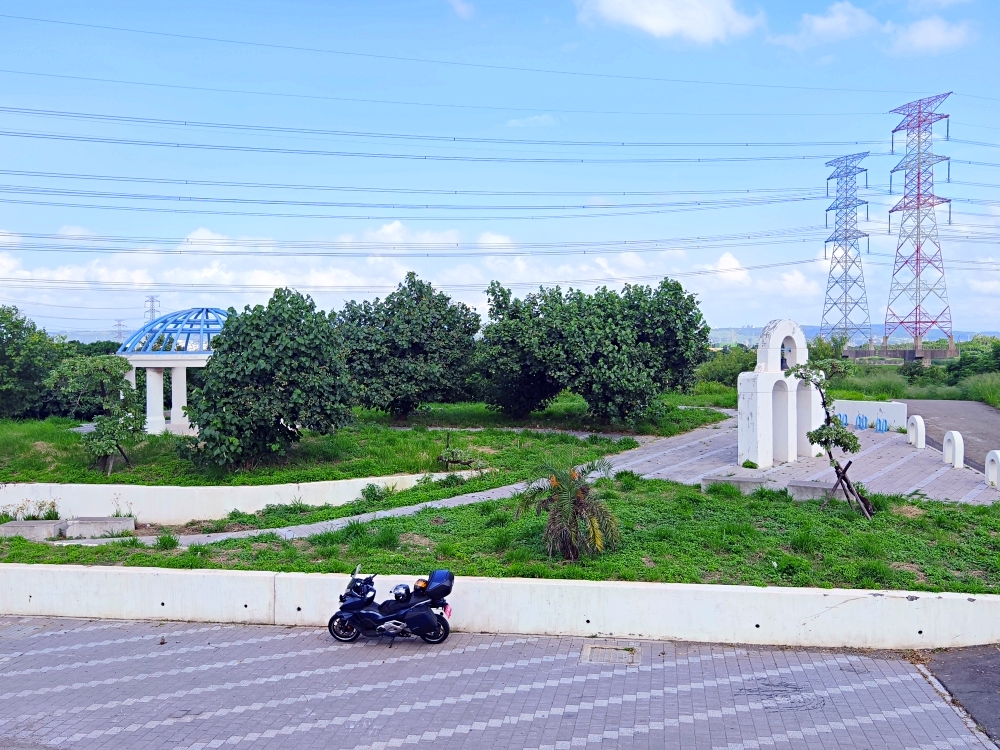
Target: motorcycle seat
<point>391,607</point>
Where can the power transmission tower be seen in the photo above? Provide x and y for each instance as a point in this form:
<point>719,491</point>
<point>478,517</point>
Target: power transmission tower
<point>152,308</point>
<point>918,296</point>
<point>845,311</point>
<point>119,331</point>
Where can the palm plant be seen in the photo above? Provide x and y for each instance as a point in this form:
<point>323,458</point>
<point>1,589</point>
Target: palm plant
<point>579,522</point>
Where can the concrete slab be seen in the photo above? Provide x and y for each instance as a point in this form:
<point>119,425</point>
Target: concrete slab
<point>36,531</point>
<point>803,489</point>
<point>93,527</point>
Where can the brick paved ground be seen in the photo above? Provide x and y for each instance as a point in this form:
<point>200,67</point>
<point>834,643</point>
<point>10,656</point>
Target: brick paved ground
<point>85,684</point>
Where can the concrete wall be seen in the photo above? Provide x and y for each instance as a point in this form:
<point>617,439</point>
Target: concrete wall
<point>706,613</point>
<point>893,411</point>
<point>177,505</point>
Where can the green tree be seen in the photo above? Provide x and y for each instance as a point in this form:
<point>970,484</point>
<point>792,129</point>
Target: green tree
<point>521,358</point>
<point>274,371</point>
<point>725,366</point>
<point>833,433</point>
<point>618,351</point>
<point>411,348</point>
<point>27,356</point>
<point>94,348</point>
<point>821,350</point>
<point>81,382</point>
<point>578,521</point>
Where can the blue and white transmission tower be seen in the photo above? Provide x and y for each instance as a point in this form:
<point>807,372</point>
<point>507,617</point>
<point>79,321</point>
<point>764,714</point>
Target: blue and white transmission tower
<point>845,311</point>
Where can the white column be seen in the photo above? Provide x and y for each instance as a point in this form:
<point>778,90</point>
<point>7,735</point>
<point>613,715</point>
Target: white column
<point>155,423</point>
<point>178,396</point>
<point>130,377</point>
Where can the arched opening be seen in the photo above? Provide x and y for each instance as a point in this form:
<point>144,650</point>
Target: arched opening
<point>803,417</point>
<point>789,353</point>
<point>779,423</point>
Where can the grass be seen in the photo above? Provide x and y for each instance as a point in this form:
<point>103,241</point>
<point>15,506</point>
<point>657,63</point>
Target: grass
<point>46,451</point>
<point>567,412</point>
<point>706,394</point>
<point>671,532</point>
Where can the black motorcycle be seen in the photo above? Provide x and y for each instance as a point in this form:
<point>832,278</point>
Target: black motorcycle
<point>422,612</point>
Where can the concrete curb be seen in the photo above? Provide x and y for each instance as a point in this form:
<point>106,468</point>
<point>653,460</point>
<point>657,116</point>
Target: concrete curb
<point>689,612</point>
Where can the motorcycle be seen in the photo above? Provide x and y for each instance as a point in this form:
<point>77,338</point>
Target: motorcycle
<point>423,612</point>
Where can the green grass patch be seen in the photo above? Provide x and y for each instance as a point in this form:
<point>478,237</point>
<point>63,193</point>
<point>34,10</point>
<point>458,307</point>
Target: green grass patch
<point>671,532</point>
<point>567,412</point>
<point>46,451</point>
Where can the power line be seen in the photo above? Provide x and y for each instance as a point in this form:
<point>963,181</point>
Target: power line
<point>453,63</point>
<point>250,128</point>
<point>409,157</point>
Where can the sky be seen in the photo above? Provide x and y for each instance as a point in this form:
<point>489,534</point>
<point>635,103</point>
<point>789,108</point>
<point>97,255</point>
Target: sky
<point>206,153</point>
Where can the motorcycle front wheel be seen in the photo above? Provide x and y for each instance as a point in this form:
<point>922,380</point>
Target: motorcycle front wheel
<point>440,635</point>
<point>343,630</point>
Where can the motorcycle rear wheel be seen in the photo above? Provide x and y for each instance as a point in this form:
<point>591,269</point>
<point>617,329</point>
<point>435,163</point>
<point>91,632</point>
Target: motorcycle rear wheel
<point>342,629</point>
<point>440,635</point>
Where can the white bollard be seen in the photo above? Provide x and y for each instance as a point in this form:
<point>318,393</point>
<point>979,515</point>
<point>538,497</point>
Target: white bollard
<point>953,448</point>
<point>915,434</point>
<point>992,468</point>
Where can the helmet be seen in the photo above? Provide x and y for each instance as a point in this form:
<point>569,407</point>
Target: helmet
<point>401,592</point>
<point>420,587</point>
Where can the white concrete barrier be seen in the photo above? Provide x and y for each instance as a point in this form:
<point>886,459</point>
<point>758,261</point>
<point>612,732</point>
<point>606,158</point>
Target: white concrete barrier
<point>891,411</point>
<point>953,449</point>
<point>992,468</point>
<point>916,435</point>
<point>689,612</point>
<point>177,505</point>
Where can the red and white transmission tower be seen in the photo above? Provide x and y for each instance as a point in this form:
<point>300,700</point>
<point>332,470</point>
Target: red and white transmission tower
<point>918,296</point>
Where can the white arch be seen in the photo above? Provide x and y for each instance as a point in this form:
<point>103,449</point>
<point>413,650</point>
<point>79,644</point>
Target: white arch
<point>915,433</point>
<point>953,448</point>
<point>781,335</point>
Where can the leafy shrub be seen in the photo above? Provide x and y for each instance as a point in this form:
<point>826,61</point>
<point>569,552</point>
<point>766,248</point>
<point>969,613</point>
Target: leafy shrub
<point>377,493</point>
<point>166,541</point>
<point>724,367</point>
<point>496,520</point>
<point>445,550</point>
<point>412,348</point>
<point>274,371</point>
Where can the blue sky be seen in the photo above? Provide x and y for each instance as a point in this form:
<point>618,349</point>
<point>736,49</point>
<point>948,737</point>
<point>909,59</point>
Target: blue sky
<point>618,100</point>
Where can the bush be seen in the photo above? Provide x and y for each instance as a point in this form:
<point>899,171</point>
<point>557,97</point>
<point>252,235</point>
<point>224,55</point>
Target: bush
<point>166,541</point>
<point>412,348</point>
<point>274,371</point>
<point>985,388</point>
<point>616,350</point>
<point>724,368</point>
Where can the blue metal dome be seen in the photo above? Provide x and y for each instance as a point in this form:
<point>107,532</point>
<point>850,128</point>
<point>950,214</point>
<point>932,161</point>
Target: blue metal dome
<point>184,331</point>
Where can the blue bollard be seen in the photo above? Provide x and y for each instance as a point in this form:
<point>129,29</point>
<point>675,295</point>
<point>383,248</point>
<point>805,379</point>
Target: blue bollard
<point>843,419</point>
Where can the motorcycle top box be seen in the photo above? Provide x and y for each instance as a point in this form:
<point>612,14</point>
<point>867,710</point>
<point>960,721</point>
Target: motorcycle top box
<point>440,583</point>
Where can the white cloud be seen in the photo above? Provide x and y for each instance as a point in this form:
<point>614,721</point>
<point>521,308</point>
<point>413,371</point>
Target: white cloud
<point>536,121</point>
<point>731,270</point>
<point>492,239</point>
<point>702,21</point>
<point>924,4</point>
<point>842,20</point>
<point>984,286</point>
<point>9,238</point>
<point>792,284</point>
<point>397,231</point>
<point>930,35</point>
<point>463,9</point>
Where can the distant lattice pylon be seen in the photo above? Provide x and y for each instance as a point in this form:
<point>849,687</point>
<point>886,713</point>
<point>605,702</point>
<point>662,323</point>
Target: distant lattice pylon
<point>152,308</point>
<point>119,331</point>
<point>918,296</point>
<point>845,311</point>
